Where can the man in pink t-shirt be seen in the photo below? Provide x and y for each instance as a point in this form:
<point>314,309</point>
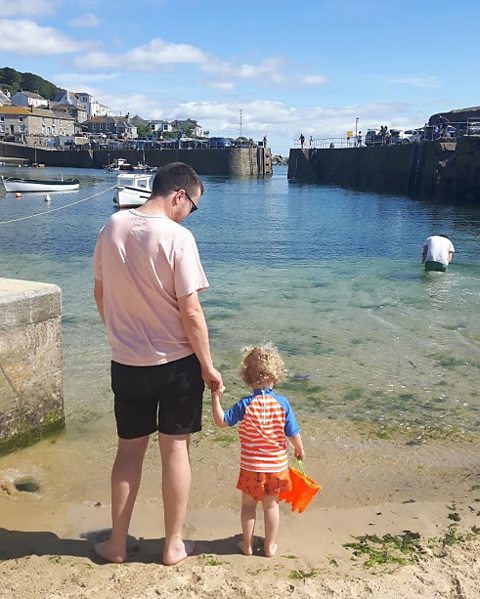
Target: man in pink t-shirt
<point>147,278</point>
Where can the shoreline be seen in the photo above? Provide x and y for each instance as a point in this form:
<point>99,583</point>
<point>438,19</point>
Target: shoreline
<point>369,487</point>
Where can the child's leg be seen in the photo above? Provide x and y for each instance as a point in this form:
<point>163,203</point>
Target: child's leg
<point>249,510</point>
<point>271,515</point>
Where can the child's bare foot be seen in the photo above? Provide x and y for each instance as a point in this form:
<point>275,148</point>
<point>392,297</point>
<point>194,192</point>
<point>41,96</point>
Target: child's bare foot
<point>178,552</point>
<point>245,548</point>
<point>109,552</point>
<point>270,549</point>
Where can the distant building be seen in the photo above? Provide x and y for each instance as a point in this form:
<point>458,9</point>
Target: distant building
<point>187,126</point>
<point>29,99</point>
<point>159,126</point>
<point>118,126</point>
<point>92,107</point>
<point>69,102</point>
<point>21,123</point>
<point>5,98</point>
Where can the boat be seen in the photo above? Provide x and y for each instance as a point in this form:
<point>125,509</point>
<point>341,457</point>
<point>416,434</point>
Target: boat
<point>132,190</point>
<point>119,164</point>
<point>141,167</point>
<point>23,185</point>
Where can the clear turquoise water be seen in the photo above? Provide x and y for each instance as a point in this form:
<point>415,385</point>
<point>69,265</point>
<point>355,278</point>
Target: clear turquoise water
<point>331,276</point>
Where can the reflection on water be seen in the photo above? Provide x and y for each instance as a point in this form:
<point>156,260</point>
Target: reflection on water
<point>333,277</point>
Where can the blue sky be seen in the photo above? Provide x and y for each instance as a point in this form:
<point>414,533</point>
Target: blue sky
<point>313,66</point>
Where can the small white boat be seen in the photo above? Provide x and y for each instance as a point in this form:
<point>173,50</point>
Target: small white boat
<point>24,185</point>
<point>132,190</point>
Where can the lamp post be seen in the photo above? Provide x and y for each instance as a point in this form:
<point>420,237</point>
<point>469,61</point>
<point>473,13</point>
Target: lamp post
<point>356,131</point>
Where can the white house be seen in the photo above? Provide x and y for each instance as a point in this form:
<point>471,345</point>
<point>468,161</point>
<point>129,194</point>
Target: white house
<point>159,126</point>
<point>92,106</point>
<point>29,99</point>
<point>5,98</point>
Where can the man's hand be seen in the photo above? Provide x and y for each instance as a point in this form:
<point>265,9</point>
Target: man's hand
<point>213,380</point>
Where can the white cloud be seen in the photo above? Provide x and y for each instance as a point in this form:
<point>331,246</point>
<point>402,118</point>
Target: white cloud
<point>16,8</point>
<point>26,37</point>
<point>159,54</point>
<point>86,20</point>
<point>223,85</point>
<point>151,57</point>
<point>313,80</point>
<point>423,81</point>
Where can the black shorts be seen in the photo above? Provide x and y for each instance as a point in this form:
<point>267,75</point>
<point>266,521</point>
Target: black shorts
<point>165,398</point>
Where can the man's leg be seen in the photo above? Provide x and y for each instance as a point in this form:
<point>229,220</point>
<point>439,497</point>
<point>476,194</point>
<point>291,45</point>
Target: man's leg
<point>176,482</point>
<point>126,476</point>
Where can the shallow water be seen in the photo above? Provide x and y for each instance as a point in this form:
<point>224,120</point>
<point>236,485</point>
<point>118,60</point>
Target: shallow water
<point>331,276</point>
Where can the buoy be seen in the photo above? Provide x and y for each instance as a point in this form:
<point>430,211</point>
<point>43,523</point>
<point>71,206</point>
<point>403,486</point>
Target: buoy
<point>18,195</point>
<point>47,198</point>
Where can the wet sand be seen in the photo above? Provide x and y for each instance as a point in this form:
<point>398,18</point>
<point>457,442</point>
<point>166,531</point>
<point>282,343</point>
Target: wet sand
<point>370,486</point>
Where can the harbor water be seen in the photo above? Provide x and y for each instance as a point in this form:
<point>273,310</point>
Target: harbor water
<point>332,277</point>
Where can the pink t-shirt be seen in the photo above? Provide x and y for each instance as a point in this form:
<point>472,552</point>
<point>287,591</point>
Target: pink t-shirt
<point>145,262</point>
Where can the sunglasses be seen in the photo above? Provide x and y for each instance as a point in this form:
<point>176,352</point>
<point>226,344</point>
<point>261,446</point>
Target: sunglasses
<point>194,206</point>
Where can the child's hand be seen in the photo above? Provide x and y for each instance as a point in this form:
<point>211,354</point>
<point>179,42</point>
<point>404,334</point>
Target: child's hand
<point>299,454</point>
<point>217,392</point>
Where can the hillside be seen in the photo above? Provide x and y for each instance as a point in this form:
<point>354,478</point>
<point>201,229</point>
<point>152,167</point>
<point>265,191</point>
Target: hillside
<point>14,81</point>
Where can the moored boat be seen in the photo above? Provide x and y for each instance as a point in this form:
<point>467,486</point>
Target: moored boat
<point>132,190</point>
<point>21,184</point>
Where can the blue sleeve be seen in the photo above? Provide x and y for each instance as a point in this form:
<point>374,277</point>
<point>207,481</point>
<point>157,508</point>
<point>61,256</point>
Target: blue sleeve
<point>291,424</point>
<point>237,412</point>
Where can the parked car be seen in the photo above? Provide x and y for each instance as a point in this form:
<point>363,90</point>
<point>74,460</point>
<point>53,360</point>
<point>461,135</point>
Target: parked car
<point>242,142</point>
<point>219,142</point>
<point>473,128</point>
<point>372,137</point>
<point>396,136</point>
<point>413,135</point>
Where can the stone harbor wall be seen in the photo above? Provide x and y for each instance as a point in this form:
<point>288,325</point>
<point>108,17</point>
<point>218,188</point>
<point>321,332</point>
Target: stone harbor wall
<point>432,169</point>
<point>229,162</point>
<point>31,383</point>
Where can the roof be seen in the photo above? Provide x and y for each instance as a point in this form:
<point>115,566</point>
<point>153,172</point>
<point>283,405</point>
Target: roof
<point>67,98</point>
<point>38,112</point>
<point>14,110</point>
<point>107,119</point>
<point>32,95</point>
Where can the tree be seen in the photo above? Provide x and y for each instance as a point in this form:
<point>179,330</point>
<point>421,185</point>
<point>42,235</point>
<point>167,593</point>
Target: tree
<point>143,130</point>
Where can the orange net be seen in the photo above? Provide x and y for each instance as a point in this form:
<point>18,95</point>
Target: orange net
<point>303,489</point>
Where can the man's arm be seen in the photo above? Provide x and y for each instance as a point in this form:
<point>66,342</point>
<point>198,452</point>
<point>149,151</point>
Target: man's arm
<point>98,294</point>
<point>195,326</point>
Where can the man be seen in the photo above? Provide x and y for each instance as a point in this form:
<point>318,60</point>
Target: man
<point>147,279</point>
<point>437,253</point>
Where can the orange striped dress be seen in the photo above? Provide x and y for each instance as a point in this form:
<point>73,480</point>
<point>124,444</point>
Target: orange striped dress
<point>266,420</point>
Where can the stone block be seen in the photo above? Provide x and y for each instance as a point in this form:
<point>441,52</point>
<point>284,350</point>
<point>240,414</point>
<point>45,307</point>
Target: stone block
<point>31,382</point>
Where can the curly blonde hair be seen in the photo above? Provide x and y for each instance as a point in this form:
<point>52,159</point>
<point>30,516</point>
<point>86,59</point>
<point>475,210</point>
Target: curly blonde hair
<point>262,365</point>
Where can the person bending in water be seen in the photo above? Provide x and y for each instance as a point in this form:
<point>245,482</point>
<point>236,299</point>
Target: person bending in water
<point>437,252</point>
<point>266,422</point>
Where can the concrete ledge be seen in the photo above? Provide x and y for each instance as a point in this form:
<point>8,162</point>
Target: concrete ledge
<point>31,383</point>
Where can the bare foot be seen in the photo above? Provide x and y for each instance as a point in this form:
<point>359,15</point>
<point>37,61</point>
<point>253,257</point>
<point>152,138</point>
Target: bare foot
<point>245,548</point>
<point>178,553</point>
<point>110,553</point>
<point>270,550</point>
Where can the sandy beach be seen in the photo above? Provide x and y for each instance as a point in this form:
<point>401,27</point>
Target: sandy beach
<point>370,486</point>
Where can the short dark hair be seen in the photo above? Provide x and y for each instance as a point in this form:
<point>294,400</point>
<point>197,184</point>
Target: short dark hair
<point>176,175</point>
